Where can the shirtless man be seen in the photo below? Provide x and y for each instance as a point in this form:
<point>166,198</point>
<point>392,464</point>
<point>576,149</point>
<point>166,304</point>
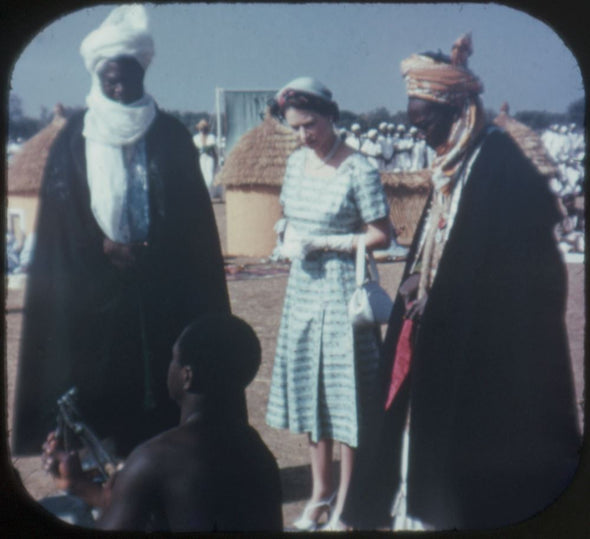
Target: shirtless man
<point>213,471</point>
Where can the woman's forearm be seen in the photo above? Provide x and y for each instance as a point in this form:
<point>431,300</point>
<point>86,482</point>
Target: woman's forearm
<point>377,235</point>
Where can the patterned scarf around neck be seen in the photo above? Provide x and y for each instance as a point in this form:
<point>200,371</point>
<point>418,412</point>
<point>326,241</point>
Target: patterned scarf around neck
<point>450,157</point>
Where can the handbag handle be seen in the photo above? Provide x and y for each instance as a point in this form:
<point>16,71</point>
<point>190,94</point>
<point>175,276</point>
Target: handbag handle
<point>360,263</point>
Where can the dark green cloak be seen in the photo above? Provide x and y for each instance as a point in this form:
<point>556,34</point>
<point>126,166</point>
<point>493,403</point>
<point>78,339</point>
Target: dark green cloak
<point>108,332</point>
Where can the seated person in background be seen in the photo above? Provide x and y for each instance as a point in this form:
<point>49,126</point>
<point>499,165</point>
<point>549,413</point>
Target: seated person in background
<point>213,471</point>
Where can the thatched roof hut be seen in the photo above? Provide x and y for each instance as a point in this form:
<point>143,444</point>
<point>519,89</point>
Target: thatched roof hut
<point>529,142</point>
<point>260,156</point>
<point>252,176</point>
<point>407,193</point>
<point>25,172</point>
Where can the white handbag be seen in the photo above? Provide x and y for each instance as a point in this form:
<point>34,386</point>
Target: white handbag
<point>370,304</point>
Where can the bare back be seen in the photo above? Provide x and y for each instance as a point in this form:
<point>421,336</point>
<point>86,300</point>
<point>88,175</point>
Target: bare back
<point>201,476</point>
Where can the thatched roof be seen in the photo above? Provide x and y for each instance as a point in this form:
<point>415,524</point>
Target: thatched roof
<point>25,171</point>
<point>259,157</point>
<point>529,142</point>
<point>416,180</point>
<point>407,193</point>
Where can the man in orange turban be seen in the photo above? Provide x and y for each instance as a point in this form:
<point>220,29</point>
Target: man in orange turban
<point>477,377</point>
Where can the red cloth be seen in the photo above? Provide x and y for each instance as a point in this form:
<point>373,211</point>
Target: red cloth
<point>401,363</point>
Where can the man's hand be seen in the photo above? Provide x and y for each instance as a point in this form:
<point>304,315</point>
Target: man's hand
<point>123,256</point>
<point>64,466</point>
<point>409,292</point>
<point>416,309</point>
<point>409,289</point>
<point>68,475</point>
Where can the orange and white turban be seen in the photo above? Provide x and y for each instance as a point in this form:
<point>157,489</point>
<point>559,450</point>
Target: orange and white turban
<point>441,81</point>
<point>448,81</point>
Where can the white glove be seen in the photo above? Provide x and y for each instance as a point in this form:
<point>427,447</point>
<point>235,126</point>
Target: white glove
<point>331,242</point>
<point>292,246</point>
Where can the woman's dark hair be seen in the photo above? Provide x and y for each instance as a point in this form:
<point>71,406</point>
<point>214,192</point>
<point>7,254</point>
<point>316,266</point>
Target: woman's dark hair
<point>303,101</point>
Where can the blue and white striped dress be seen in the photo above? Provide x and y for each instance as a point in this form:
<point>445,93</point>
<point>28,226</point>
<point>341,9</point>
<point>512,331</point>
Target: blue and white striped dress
<point>324,372</point>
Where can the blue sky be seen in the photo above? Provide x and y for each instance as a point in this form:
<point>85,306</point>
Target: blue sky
<point>355,49</point>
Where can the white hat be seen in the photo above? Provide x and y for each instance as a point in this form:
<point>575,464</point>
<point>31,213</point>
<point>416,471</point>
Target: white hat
<point>355,127</point>
<point>383,126</point>
<point>124,32</point>
<point>372,133</point>
<point>401,128</point>
<point>308,85</point>
<point>413,130</point>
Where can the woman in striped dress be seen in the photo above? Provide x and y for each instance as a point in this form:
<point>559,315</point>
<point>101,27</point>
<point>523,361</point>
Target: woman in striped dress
<point>324,371</point>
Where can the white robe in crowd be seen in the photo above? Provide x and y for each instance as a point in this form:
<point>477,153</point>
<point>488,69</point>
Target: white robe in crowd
<point>206,161</point>
<point>566,149</point>
<point>403,154</point>
<point>386,142</point>
<point>354,142</point>
<point>372,149</point>
<point>419,155</point>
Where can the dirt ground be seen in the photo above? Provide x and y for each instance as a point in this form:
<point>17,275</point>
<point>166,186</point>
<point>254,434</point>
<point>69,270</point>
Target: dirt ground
<point>259,302</point>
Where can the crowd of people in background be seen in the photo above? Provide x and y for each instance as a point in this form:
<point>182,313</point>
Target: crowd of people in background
<point>391,147</point>
<point>566,147</point>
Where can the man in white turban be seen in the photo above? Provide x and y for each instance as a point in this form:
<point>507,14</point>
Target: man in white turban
<point>119,113</point>
<point>125,32</point>
<point>372,149</point>
<point>354,138</point>
<point>206,144</point>
<point>127,253</point>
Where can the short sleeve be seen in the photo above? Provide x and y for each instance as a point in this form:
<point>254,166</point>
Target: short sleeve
<point>368,192</point>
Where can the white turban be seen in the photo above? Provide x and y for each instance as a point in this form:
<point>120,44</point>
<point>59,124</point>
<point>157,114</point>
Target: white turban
<point>124,32</point>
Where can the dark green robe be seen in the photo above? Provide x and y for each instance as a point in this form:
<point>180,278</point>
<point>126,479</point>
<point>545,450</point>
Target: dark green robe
<point>108,332</point>
<point>494,434</point>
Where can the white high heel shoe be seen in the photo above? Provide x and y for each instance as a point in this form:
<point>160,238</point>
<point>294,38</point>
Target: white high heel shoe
<point>335,525</point>
<point>306,523</point>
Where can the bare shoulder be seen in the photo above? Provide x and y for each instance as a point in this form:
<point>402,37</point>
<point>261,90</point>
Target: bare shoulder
<point>149,463</point>
<point>153,451</point>
<point>142,460</point>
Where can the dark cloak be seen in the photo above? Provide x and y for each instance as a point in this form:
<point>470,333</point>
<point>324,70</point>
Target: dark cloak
<point>494,436</point>
<point>109,332</point>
